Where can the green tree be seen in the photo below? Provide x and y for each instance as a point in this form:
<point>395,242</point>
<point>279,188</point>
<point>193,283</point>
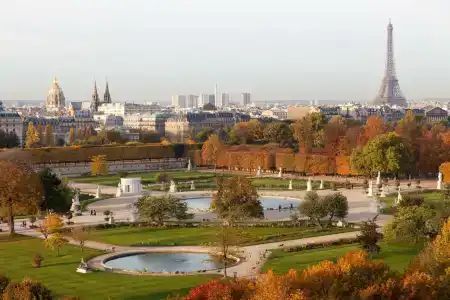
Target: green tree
<point>370,236</point>
<point>387,153</point>
<point>278,132</point>
<point>49,138</point>
<point>313,207</point>
<point>204,134</point>
<point>32,137</point>
<point>72,137</point>
<point>57,195</point>
<point>159,208</point>
<point>113,136</point>
<point>336,205</point>
<point>236,199</point>
<point>56,241</point>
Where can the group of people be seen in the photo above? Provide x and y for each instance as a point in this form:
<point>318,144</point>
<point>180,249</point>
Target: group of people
<point>290,208</point>
<point>93,212</point>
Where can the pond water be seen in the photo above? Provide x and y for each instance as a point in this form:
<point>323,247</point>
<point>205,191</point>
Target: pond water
<point>166,262</point>
<point>203,203</point>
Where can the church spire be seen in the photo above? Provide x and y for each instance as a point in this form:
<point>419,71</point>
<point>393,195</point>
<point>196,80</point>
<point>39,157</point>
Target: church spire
<point>95,102</point>
<point>106,96</point>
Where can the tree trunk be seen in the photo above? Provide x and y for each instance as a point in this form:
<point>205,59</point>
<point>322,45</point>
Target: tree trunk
<point>225,266</point>
<point>11,218</point>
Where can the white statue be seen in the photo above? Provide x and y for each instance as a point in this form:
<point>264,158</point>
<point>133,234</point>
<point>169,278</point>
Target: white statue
<point>290,184</point>
<point>75,203</point>
<point>189,167</point>
<point>379,178</point>
<point>134,213</point>
<point>370,192</point>
<point>383,191</point>
<point>280,173</point>
<point>258,173</point>
<point>399,197</point>
<point>119,190</point>
<point>98,193</point>
<point>309,185</point>
<point>321,185</point>
<point>192,185</point>
<point>439,182</point>
<point>173,187</point>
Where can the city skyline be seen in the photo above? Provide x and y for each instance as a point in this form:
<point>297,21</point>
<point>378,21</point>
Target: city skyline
<point>324,53</point>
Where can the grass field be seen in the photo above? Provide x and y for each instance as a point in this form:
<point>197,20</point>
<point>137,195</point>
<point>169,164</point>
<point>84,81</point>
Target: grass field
<point>396,256</point>
<point>58,274</point>
<point>136,236</point>
<point>432,198</point>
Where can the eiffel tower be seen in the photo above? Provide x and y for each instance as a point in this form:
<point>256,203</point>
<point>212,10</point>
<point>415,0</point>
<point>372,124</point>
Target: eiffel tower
<point>390,93</point>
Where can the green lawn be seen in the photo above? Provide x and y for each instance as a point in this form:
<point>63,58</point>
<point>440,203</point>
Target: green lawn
<point>147,178</point>
<point>432,198</point>
<point>396,256</point>
<point>136,236</point>
<point>59,274</point>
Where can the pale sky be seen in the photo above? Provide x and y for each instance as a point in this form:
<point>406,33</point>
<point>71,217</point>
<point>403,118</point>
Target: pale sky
<point>277,50</point>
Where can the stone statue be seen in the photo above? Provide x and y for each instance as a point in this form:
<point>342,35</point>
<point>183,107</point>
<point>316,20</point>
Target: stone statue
<point>98,193</point>
<point>280,173</point>
<point>192,185</point>
<point>75,203</point>
<point>383,191</point>
<point>439,182</point>
<point>189,166</point>
<point>173,187</point>
<point>258,173</point>
<point>309,185</point>
<point>399,197</point>
<point>290,184</point>
<point>119,190</point>
<point>321,185</point>
<point>370,191</point>
<point>134,212</point>
<point>379,178</point>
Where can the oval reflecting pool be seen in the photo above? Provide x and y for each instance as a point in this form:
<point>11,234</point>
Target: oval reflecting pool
<point>166,262</point>
<point>203,203</point>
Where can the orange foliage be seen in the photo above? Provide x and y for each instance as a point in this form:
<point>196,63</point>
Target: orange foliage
<point>445,170</point>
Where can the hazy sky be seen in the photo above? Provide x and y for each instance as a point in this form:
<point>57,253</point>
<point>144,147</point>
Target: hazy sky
<point>280,49</point>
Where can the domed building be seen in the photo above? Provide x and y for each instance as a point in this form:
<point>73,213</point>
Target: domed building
<point>55,97</point>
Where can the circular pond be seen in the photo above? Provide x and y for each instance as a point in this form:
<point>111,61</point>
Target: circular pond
<point>203,203</point>
<point>166,262</point>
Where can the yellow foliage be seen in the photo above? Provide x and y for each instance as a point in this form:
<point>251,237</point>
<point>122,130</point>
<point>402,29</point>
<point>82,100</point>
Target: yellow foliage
<point>441,244</point>
<point>445,170</point>
<point>99,165</point>
<point>52,222</point>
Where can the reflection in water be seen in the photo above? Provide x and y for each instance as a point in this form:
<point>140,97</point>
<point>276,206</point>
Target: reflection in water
<point>203,203</point>
<point>166,262</point>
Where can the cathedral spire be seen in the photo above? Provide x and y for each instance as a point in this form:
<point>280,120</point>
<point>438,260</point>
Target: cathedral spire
<point>106,96</point>
<point>95,102</point>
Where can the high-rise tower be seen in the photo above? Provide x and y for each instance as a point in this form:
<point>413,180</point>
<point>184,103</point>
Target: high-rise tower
<point>95,101</point>
<point>106,95</point>
<point>390,92</point>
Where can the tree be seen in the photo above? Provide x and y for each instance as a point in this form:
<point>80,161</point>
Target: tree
<point>304,132</point>
<point>411,224</point>
<point>240,134</point>
<point>336,205</point>
<point>49,138</point>
<point>255,128</point>
<point>87,132</point>
<point>159,208</point>
<point>113,136</point>
<point>9,139</point>
<point>149,137</point>
<point>57,195</point>
<point>236,199</point>
<point>40,133</point>
<point>333,132</point>
<point>370,236</point>
<point>209,107</point>
<point>32,137</point>
<point>80,235</point>
<point>50,225</point>
<point>375,126</point>
<point>387,153</point>
<point>21,190</point>
<point>56,241</point>
<point>204,134</point>
<point>226,238</point>
<point>72,136</point>
<point>211,148</point>
<point>313,207</point>
<point>278,132</point>
<point>27,290</point>
<point>80,133</point>
<point>4,281</point>
<point>99,165</point>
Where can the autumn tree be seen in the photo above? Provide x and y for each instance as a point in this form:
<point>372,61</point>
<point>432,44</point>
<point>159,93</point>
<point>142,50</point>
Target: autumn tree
<point>333,132</point>
<point>49,138</point>
<point>32,137</point>
<point>50,224</point>
<point>27,290</point>
<point>157,209</point>
<point>369,236</point>
<point>79,133</point>
<point>304,133</point>
<point>236,199</point>
<point>211,148</point>
<point>56,241</point>
<point>240,134</point>
<point>255,128</point>
<point>99,165</point>
<point>72,137</point>
<point>80,235</point>
<point>21,190</point>
<point>374,127</point>
<point>387,153</point>
<point>226,238</point>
